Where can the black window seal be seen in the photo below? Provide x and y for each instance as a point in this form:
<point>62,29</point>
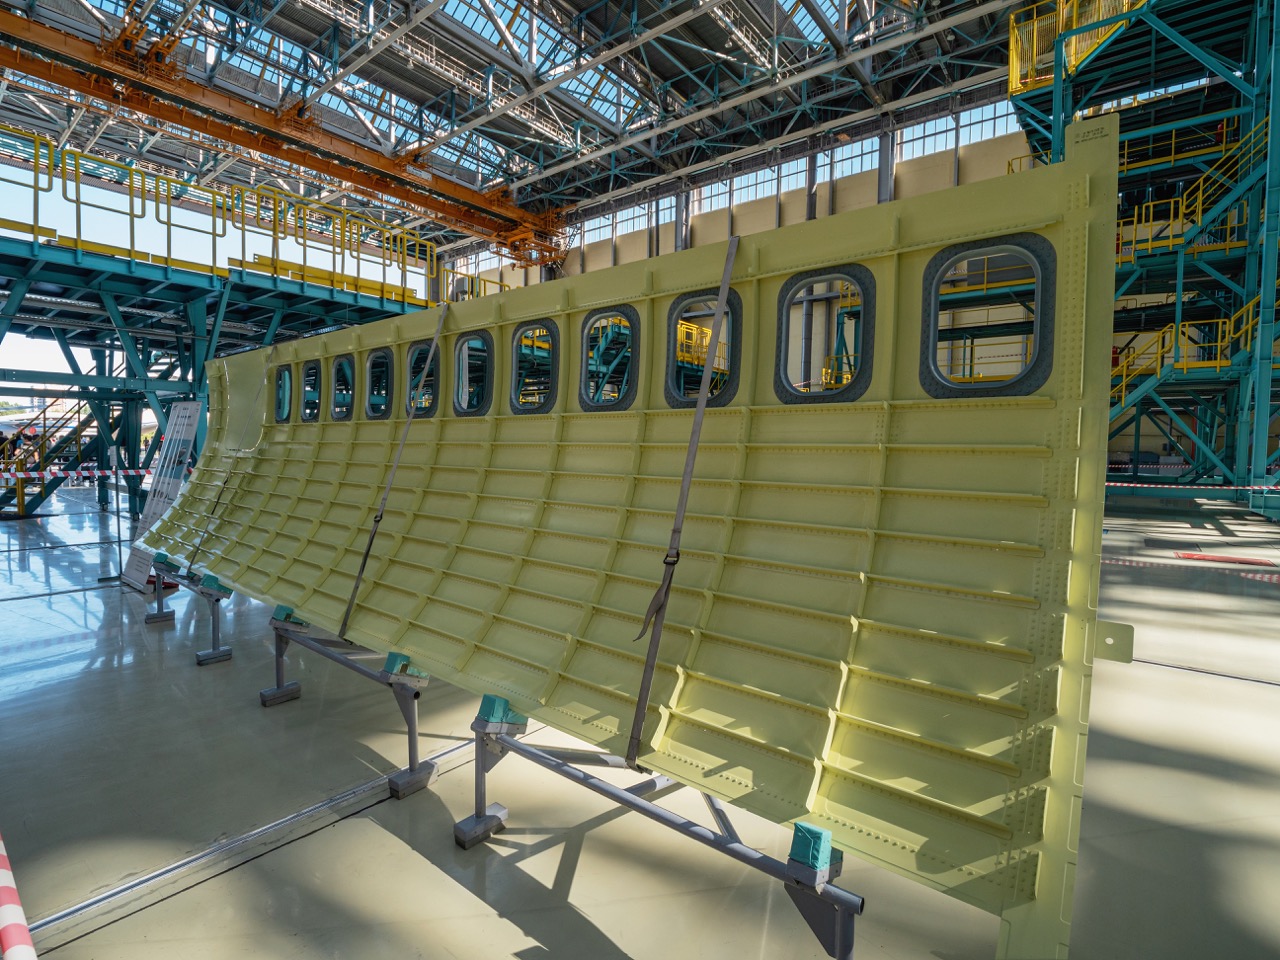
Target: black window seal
<point>368,383</point>
<point>411,381</point>
<point>733,318</point>
<point>628,397</point>
<point>461,375</point>
<point>553,331</point>
<point>1043,258</point>
<point>855,388</point>
<point>333,370</point>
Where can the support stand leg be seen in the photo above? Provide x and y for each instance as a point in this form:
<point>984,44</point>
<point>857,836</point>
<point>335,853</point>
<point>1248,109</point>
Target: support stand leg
<point>496,717</point>
<point>282,692</point>
<point>218,653</point>
<point>161,614</point>
<point>420,774</point>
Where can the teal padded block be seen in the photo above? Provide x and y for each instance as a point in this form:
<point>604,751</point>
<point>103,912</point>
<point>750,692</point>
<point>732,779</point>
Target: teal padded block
<point>811,846</point>
<point>498,710</point>
<point>396,663</point>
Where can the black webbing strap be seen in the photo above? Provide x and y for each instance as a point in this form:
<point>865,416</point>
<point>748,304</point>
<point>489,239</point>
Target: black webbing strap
<point>222,488</point>
<point>657,612</point>
<point>395,465</point>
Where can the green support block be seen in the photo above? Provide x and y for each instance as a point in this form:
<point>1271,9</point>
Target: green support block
<point>498,710</point>
<point>210,582</point>
<point>811,846</point>
<point>396,663</point>
<point>285,615</point>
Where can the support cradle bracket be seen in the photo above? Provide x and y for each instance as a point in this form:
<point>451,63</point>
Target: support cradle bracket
<point>829,910</point>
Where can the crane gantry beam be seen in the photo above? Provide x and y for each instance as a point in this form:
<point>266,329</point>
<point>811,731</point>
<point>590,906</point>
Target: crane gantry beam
<point>127,79</point>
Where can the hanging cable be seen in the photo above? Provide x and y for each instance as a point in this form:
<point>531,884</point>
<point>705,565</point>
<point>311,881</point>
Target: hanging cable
<point>656,614</point>
<point>395,465</point>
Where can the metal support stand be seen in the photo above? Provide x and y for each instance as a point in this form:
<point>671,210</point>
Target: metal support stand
<point>160,566</point>
<point>206,586</point>
<point>214,593</point>
<point>405,682</point>
<point>806,875</point>
<point>495,719</point>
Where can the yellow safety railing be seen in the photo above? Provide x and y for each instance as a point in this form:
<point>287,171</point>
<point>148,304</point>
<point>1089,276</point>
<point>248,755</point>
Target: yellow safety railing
<point>984,359</point>
<point>1161,225</point>
<point>157,218</point>
<point>693,342</point>
<point>1203,345</point>
<point>838,370</point>
<point>1034,30</point>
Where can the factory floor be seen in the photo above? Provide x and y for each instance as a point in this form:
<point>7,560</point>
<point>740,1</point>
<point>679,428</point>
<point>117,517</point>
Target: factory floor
<point>152,808</point>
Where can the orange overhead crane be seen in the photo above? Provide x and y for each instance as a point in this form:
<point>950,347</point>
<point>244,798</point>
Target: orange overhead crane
<point>133,79</point>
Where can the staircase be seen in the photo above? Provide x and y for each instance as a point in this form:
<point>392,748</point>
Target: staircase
<point>1207,216</point>
<point>64,440</point>
<point>1214,346</point>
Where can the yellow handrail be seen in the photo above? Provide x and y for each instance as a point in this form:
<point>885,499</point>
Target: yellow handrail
<point>1034,30</point>
<point>202,226</point>
<point>1219,340</point>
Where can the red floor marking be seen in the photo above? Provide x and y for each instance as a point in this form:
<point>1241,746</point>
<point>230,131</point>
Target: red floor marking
<point>1222,558</point>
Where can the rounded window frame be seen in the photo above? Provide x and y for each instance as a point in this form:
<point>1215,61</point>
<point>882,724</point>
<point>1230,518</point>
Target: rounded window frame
<point>409,407</point>
<point>628,397</point>
<point>307,366</point>
<point>285,369</point>
<point>855,388</point>
<point>733,314</point>
<point>368,383</point>
<point>333,387</point>
<point>1043,257</point>
<point>460,375</point>
<point>553,330</point>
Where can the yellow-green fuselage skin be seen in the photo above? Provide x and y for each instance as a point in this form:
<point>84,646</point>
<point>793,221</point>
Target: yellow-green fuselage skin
<point>884,617</point>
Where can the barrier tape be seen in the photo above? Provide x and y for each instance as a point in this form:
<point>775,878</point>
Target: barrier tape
<point>1187,486</point>
<point>15,935</point>
<point>1120,466</point>
<point>1246,574</point>
<point>55,474</point>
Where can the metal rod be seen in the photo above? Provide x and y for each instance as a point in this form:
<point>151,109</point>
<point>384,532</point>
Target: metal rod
<point>333,655</point>
<point>721,816</point>
<point>735,849</point>
<point>281,643</point>
<point>482,800</point>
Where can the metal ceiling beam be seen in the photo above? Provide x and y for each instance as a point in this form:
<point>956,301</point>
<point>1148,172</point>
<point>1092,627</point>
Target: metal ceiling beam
<point>755,93</point>
<point>77,64</point>
<point>416,19</point>
<point>582,67</point>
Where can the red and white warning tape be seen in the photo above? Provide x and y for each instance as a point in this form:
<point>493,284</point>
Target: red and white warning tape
<point>54,474</point>
<point>1175,486</point>
<point>15,935</point>
<point>1246,574</point>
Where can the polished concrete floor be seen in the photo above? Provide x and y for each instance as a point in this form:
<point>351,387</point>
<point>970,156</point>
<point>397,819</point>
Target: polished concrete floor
<point>153,808</point>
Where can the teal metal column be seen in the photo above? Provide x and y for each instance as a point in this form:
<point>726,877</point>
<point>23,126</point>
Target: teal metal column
<point>1264,343</point>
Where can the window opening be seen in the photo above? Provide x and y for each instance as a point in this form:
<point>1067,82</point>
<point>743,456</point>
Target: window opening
<point>986,308</point>
<point>475,353</point>
<point>691,349</point>
<point>284,393</point>
<point>344,386</point>
<point>311,390</point>
<point>420,398</point>
<point>535,368</point>
<point>822,335</point>
<point>378,398</point>
<point>607,374</point>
